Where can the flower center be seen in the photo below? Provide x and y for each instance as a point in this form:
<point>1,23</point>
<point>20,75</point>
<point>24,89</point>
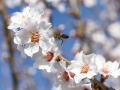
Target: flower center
<point>66,77</point>
<point>35,37</point>
<point>49,56</point>
<point>105,69</point>
<point>85,68</point>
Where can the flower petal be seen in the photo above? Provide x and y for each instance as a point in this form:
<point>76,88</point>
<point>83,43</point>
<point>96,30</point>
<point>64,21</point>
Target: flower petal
<point>31,49</point>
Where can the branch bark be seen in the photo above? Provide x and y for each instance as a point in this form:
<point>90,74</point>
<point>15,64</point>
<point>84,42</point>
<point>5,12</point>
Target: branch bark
<point>9,43</point>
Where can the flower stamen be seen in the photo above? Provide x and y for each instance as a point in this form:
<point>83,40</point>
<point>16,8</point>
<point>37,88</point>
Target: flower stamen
<point>35,37</point>
<point>49,56</point>
<point>85,68</point>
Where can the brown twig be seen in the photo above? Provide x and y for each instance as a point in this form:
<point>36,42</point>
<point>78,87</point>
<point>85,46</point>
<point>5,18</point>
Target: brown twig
<point>97,85</point>
<point>9,43</point>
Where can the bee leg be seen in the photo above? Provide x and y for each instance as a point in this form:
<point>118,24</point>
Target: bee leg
<point>61,42</point>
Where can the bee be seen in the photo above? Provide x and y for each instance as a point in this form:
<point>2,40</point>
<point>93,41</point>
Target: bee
<point>61,37</point>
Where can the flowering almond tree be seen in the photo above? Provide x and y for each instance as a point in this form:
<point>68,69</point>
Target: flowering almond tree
<point>67,40</point>
<point>34,36</point>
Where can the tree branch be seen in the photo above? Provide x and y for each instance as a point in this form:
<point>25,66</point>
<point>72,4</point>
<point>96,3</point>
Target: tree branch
<point>9,43</point>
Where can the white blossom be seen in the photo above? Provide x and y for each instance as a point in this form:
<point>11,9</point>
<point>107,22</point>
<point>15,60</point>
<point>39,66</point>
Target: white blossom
<point>31,30</point>
<point>46,60</point>
<point>89,3</point>
<point>108,68</point>
<point>114,29</point>
<point>83,66</point>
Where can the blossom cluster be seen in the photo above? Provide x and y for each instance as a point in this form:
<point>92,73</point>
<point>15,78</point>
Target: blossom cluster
<point>34,36</point>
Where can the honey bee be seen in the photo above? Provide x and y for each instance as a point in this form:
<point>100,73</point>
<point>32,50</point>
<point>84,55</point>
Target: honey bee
<point>61,37</point>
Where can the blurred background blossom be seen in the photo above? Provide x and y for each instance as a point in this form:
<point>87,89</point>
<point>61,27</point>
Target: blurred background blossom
<point>92,25</point>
